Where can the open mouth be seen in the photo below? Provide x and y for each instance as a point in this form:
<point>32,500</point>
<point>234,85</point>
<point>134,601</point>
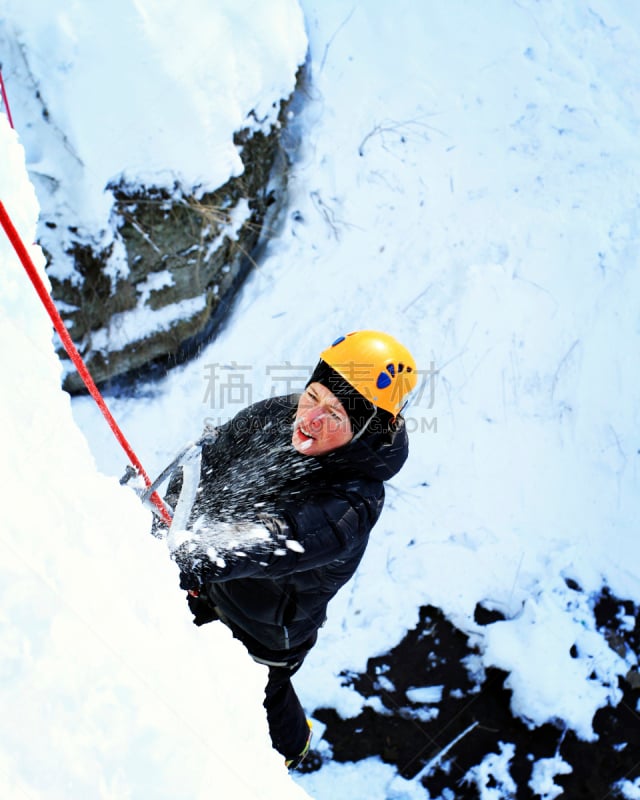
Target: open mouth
<point>300,428</point>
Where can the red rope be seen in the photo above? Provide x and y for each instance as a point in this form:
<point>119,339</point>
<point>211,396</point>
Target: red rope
<point>5,100</point>
<point>63,333</point>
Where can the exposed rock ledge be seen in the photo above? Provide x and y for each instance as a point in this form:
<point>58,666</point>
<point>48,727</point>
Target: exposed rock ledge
<point>187,258</point>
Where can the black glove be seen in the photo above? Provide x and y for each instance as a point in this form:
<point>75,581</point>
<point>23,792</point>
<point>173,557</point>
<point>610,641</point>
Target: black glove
<point>190,567</point>
<point>189,581</point>
<point>201,609</point>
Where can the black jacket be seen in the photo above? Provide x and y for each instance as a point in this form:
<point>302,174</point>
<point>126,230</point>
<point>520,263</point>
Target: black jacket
<point>315,514</point>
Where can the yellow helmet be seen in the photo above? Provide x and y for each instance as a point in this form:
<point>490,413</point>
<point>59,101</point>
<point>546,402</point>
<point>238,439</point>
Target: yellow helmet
<point>376,365</point>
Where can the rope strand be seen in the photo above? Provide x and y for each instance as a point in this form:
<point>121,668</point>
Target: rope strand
<point>76,358</point>
<point>5,100</point>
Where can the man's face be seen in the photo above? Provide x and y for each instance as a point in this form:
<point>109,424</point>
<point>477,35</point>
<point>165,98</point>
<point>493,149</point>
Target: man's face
<point>321,424</point>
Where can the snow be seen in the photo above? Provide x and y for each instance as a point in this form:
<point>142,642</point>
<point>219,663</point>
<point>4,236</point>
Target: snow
<point>425,694</point>
<point>492,778</point>
<point>135,324</point>
<point>367,780</point>
<point>542,780</point>
<point>630,790</point>
<point>552,644</point>
<point>467,180</point>
<point>116,105</point>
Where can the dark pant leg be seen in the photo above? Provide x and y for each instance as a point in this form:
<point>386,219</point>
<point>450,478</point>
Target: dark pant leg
<point>285,715</point>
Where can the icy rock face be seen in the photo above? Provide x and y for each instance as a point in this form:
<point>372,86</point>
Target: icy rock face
<point>186,258</point>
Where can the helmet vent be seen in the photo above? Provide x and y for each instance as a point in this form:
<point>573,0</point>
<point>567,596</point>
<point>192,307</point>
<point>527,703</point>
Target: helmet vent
<point>383,380</point>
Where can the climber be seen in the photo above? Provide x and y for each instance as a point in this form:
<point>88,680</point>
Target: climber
<point>288,492</point>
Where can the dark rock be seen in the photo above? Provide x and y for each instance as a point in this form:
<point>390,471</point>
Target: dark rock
<point>483,615</point>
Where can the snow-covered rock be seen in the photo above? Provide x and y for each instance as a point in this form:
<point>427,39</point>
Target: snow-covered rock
<point>161,152</point>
